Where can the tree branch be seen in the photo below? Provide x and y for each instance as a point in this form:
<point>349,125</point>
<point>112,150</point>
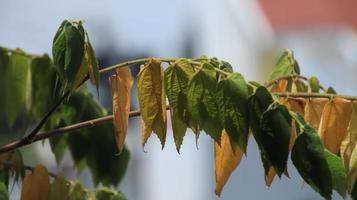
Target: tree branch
<point>61,131</point>
<point>101,120</point>
<point>314,95</point>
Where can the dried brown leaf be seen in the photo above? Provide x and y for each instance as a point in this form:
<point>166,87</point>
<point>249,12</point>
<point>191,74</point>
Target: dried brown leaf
<point>313,111</point>
<point>348,150</point>
<point>36,185</point>
<point>334,122</point>
<point>226,161</point>
<point>121,84</point>
<point>281,86</point>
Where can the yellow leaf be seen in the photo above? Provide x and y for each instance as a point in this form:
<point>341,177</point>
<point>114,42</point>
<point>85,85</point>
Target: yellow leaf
<point>225,161</point>
<point>349,151</point>
<point>313,111</point>
<point>36,186</point>
<point>280,86</point>
<point>121,84</point>
<point>334,122</point>
<point>152,101</point>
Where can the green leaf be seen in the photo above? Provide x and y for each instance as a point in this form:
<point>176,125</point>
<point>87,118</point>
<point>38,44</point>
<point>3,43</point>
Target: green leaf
<point>43,78</point>
<point>308,156</point>
<point>4,195</point>
<point>258,103</point>
<point>314,84</point>
<point>109,194</point>
<point>68,52</point>
<point>233,109</point>
<point>74,54</point>
<point>59,189</point>
<point>337,170</point>
<point>276,133</point>
<point>203,101</point>
<point>4,62</point>
<point>78,192</point>
<point>59,51</point>
<point>4,175</point>
<point>16,80</point>
<point>286,65</point>
<point>331,90</point>
<point>176,77</point>
<point>297,86</point>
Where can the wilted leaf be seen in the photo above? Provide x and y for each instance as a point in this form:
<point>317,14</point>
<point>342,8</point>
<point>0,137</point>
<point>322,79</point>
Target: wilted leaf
<point>203,103</point>
<point>226,161</point>
<point>233,109</point>
<point>36,185</point>
<point>308,156</point>
<point>286,65</point>
<point>352,171</point>
<point>59,189</point>
<point>152,101</point>
<point>296,105</point>
<point>338,173</point>
<point>281,86</point>
<point>334,123</point>
<point>313,111</point>
<point>177,76</point>
<point>349,151</point>
<point>121,84</point>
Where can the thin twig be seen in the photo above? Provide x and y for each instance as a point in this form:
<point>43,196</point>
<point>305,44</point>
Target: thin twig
<point>315,95</point>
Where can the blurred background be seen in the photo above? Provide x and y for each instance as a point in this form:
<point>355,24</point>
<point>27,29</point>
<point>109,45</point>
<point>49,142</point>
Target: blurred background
<point>249,34</point>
